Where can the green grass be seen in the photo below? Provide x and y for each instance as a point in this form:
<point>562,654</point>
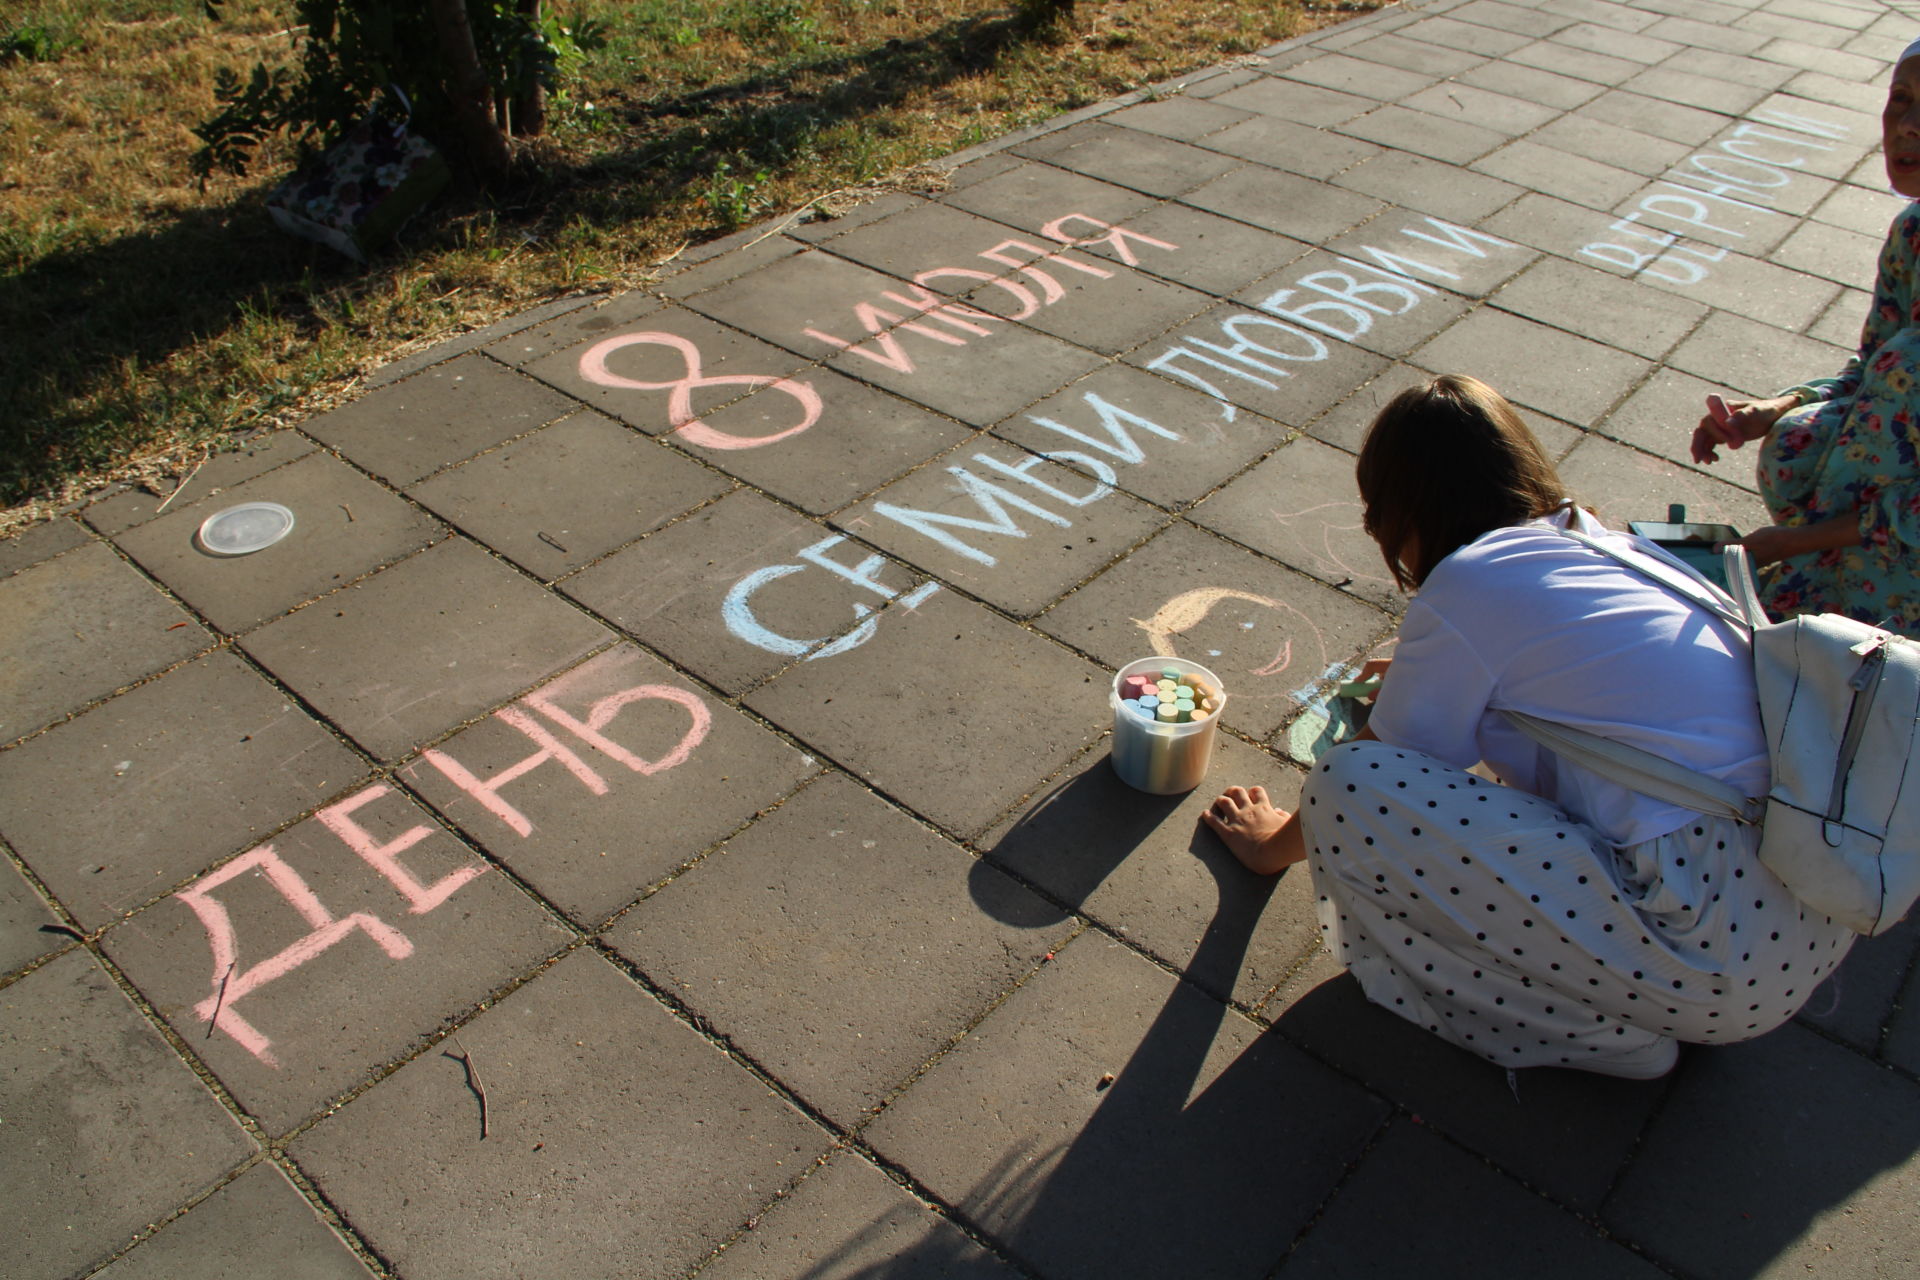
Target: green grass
<point>150,320</point>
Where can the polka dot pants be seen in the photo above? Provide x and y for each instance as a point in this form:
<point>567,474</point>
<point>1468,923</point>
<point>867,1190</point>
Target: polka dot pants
<point>1495,920</point>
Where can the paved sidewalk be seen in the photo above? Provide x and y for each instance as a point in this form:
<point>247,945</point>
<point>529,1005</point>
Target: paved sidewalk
<point>651,816</point>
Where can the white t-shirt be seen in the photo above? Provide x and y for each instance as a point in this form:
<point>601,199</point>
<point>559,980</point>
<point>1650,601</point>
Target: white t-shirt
<point>1525,619</point>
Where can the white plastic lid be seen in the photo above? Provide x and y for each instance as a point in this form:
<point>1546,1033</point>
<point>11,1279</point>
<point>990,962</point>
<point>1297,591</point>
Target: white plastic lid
<point>245,529</point>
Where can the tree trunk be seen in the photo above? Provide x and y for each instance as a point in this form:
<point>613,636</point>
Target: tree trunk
<point>530,112</point>
<point>483,145</point>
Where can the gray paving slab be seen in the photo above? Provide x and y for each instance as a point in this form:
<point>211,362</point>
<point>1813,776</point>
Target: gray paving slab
<point>1010,528</point>
<point>667,370</point>
<point>1396,1218</point>
<point>1149,436</point>
<point>451,411</point>
<point>840,944</point>
<point>410,364</point>
<point>721,267</point>
<point>1102,308</point>
<point>1840,324</point>
<point>1616,44</point>
<point>1792,1188</point>
<point>1661,117</point>
<point>1567,1133</point>
<point>41,542</point>
<point>604,782</point>
<point>1623,484</point>
<point>824,222</point>
<point>1532,84</point>
<point>1499,112</point>
<point>1610,144</point>
<point>1271,636</point>
<point>1301,507</point>
<point>1056,1177</point>
<point>1510,17</point>
<point>1181,116</point>
<point>1152,164</point>
<point>1868,212</point>
<point>1436,137</point>
<point>1428,186</point>
<point>1600,306</point>
<point>107,1130</point>
<point>1834,253</point>
<point>897,246</point>
<point>604,319</point>
<point>1033,195</point>
<point>344,527</point>
<point>1285,203</point>
<point>1660,416</point>
<point>1700,29</point>
<point>1530,363</point>
<point>848,1221</point>
<point>24,920</point>
<point>301,968</point>
<point>1282,144</point>
<point>213,475</point>
<point>1901,1046</point>
<point>1360,76</point>
<point>739,589</point>
<point>1570,177</point>
<point>413,651</point>
<point>1210,253</point>
<point>78,627</point>
<point>1557,56</point>
<point>1144,868</point>
<point>1291,100</point>
<point>900,709</point>
<point>569,493</point>
<point>1468,37</point>
<point>1858,1002</point>
<point>233,1232</point>
<point>115,807</point>
<point>1395,50</point>
<point>618,1140</point>
<point>1753,357</point>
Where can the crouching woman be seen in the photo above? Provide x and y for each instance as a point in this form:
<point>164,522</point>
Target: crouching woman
<point>1554,918</point>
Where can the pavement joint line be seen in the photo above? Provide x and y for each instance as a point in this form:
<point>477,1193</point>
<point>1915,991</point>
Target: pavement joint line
<point>1347,1174</point>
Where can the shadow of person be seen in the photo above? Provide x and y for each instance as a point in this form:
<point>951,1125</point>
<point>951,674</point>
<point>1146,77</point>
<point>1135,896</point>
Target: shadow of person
<point>1214,1144</point>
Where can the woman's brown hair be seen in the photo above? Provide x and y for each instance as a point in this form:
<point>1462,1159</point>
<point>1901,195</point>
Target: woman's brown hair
<point>1444,463</point>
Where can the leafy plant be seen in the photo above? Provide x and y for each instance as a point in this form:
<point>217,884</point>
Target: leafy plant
<point>35,42</point>
<point>472,71</point>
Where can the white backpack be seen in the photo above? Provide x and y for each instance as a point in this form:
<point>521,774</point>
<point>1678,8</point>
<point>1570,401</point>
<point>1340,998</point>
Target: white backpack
<point>1840,707</point>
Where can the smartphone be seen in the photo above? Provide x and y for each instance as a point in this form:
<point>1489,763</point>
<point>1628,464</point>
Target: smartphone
<point>1698,545</point>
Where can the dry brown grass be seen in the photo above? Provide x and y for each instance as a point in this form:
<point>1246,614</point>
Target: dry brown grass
<point>158,320</point>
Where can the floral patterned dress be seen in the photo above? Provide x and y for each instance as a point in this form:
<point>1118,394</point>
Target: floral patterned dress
<point>1854,445</point>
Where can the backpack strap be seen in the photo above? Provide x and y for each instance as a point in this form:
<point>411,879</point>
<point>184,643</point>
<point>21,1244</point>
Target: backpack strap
<point>1651,775</point>
<point>1741,609</point>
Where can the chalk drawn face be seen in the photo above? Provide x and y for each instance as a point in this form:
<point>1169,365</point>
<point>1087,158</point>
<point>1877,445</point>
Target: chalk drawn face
<point>1900,129</point>
<point>1239,633</point>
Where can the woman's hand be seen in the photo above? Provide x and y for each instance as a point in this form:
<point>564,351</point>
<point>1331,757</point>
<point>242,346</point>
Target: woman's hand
<point>1734,422</point>
<point>1265,839</point>
<point>1783,542</point>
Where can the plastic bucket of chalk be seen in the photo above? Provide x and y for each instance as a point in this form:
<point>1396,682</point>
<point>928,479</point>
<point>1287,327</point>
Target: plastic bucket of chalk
<point>1164,711</point>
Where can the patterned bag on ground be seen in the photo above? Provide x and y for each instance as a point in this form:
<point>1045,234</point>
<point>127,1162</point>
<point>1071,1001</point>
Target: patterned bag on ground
<point>356,195</point>
<point>1840,707</point>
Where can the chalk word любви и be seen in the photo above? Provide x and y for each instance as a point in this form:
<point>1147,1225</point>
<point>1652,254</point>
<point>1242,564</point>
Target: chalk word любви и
<point>231,982</point>
<point>1742,173</point>
<point>1290,326</point>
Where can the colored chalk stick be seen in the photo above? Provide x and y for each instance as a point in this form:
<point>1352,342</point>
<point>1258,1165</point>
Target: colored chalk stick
<point>1167,713</point>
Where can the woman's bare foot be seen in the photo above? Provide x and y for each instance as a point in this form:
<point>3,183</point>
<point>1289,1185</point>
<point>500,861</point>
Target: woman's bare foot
<point>1265,839</point>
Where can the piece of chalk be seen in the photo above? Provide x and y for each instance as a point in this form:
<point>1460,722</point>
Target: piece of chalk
<point>1358,689</point>
<point>1201,688</point>
<point>1141,709</point>
<point>1167,713</point>
<point>1200,713</point>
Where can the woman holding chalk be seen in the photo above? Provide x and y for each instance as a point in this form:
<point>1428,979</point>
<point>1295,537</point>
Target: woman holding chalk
<point>1839,465</point>
<point>1553,918</point>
